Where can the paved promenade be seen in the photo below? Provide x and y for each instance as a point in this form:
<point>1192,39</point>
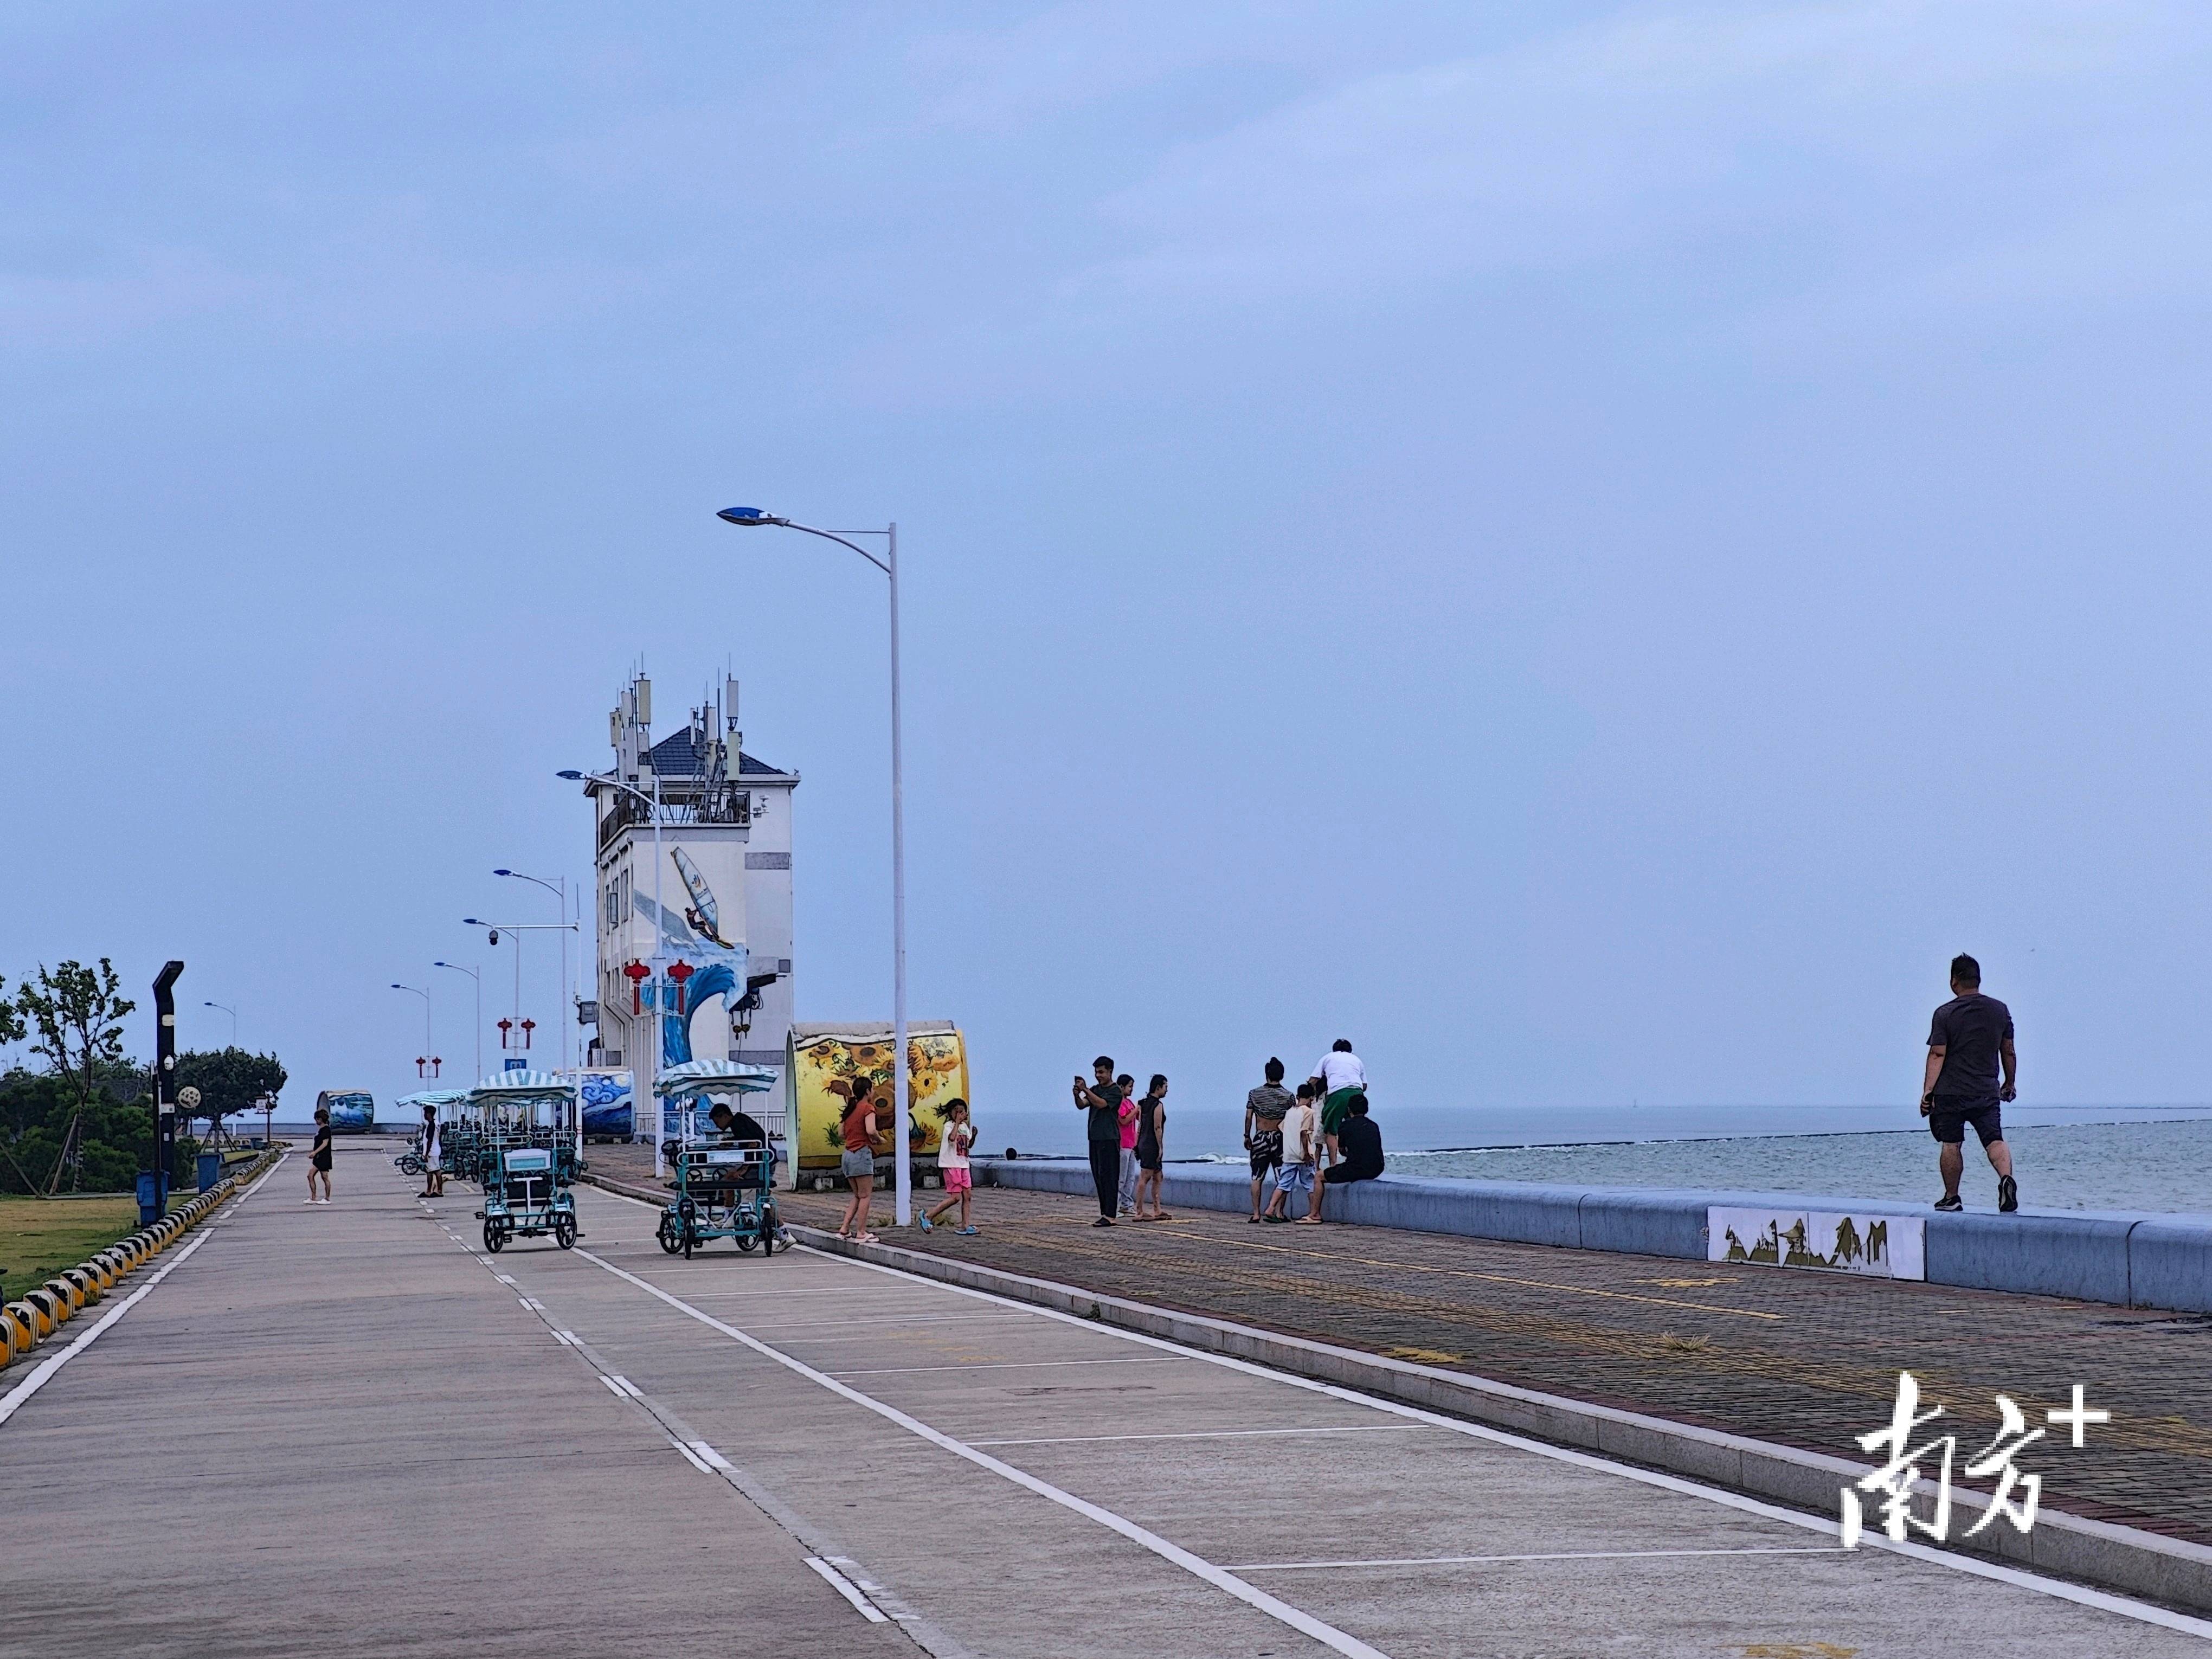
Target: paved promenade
<point>347,1430</point>
<point>1801,1360</point>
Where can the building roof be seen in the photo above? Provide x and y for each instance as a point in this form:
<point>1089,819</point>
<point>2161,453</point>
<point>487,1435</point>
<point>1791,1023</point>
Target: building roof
<point>677,756</point>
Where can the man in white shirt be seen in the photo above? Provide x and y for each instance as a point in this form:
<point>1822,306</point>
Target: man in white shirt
<point>1340,1076</point>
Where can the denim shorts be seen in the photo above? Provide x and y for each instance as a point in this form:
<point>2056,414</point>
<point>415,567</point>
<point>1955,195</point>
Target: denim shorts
<point>862,1162</point>
<point>1295,1178</point>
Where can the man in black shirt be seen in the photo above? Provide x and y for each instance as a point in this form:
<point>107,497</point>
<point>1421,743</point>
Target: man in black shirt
<point>1101,1101</point>
<point>1970,1037</point>
<point>1361,1144</point>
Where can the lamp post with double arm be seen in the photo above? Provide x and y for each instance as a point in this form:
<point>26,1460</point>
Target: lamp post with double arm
<point>478,978</point>
<point>660,921</point>
<point>560,893</point>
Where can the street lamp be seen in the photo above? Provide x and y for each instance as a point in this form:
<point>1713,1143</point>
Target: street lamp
<point>517,928</point>
<point>562,893</point>
<point>425,995</point>
<point>233,1013</point>
<point>660,928</point>
<point>478,978</point>
<point>902,1158</point>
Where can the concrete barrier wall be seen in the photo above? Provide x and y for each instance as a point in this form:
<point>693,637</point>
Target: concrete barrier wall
<point>2128,1261</point>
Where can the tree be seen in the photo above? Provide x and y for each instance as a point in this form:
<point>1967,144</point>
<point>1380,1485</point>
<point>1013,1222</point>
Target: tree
<point>11,1018</point>
<point>75,1018</point>
<point>229,1080</point>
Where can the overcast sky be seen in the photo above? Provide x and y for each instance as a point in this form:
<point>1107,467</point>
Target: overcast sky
<point>1585,548</point>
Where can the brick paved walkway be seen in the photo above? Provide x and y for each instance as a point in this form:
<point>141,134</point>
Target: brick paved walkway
<point>1801,1358</point>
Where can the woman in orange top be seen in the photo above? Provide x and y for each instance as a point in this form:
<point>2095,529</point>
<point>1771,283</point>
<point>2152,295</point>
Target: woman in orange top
<point>860,1167</point>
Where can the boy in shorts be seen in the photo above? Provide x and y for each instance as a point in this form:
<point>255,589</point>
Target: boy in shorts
<point>1301,1143</point>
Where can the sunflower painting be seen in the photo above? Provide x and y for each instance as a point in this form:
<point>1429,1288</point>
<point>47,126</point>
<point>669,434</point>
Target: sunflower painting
<point>829,1066</point>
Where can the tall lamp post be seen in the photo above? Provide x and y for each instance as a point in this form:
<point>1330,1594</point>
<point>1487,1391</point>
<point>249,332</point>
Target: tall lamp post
<point>423,993</point>
<point>478,978</point>
<point>901,1155</point>
<point>233,1013</point>
<point>660,928</point>
<point>517,928</point>
<point>567,1012</point>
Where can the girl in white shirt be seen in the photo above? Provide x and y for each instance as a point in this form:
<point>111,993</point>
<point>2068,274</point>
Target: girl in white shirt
<point>958,1136</point>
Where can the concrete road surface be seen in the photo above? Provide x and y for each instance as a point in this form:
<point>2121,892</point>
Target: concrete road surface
<point>350,1429</point>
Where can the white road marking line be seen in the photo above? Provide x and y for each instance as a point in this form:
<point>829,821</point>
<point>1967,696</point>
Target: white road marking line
<point>2078,1594</point>
<point>903,1319</point>
<point>713,1459</point>
<point>44,1373</point>
<point>1206,1434</point>
<point>1253,1596</point>
<point>1000,1365</point>
<point>839,1582</point>
<point>624,1387</point>
<point>533,1304</point>
<point>568,1339</point>
<point>613,1387</point>
<point>690,1456</point>
<point>504,1278</point>
<point>1564,1555</point>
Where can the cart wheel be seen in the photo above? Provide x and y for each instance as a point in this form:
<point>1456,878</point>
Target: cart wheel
<point>494,1237</point>
<point>768,1239</point>
<point>745,1246</point>
<point>690,1238</point>
<point>564,1230</point>
<point>667,1236</point>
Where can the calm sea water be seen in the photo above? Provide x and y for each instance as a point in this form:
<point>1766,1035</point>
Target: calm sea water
<point>2153,1159</point>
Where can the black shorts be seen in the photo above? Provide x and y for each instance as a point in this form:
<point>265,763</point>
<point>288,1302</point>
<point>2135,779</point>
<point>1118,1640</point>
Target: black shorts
<point>1267,1149</point>
<point>1948,1123</point>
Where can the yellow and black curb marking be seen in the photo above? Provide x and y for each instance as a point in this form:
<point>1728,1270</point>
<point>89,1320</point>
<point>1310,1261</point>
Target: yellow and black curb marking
<point>40,1312</point>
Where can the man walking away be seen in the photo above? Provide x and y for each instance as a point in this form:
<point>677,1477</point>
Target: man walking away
<point>1971,1035</point>
<point>1263,1129</point>
<point>1102,1100</point>
<point>1127,1188</point>
<point>1363,1154</point>
<point>1340,1076</point>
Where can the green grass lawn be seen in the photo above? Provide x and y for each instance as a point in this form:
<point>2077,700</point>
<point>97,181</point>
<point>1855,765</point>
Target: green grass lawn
<point>39,1237</point>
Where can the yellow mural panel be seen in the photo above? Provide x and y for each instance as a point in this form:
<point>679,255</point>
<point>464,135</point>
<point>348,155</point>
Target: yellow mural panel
<point>827,1066</point>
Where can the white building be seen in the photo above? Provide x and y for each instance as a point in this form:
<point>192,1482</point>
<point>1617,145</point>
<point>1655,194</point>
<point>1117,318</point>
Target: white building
<point>724,909</point>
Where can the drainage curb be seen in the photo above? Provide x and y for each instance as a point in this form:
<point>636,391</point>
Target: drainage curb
<point>2122,1559</point>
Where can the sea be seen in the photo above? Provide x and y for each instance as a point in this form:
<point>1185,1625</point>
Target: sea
<point>2066,1158</point>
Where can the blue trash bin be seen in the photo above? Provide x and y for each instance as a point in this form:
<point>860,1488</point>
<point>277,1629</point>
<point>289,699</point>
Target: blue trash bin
<point>147,1215</point>
<point>210,1170</point>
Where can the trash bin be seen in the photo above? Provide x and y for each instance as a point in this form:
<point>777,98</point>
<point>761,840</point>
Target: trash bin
<point>210,1170</point>
<point>147,1215</point>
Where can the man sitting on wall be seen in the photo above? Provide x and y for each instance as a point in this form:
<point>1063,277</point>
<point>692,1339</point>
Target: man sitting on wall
<point>1361,1144</point>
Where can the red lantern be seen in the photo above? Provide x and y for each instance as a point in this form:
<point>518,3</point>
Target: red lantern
<point>681,972</point>
<point>637,973</point>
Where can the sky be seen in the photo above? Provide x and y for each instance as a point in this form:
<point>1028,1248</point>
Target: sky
<point>1584,547</point>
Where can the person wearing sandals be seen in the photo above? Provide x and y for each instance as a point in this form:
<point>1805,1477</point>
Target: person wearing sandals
<point>1152,1126</point>
<point>860,1167</point>
<point>1264,1108</point>
<point>1100,1102</point>
<point>433,1173</point>
<point>956,1137</point>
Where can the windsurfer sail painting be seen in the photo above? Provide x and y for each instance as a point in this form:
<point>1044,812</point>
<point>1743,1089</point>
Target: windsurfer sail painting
<point>700,912</point>
<point>707,962</point>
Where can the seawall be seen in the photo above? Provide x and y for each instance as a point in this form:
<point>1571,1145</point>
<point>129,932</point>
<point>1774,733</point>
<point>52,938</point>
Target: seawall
<point>2127,1260</point>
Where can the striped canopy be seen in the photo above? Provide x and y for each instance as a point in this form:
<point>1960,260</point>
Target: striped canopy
<point>432,1097</point>
<point>523,1082</point>
<point>714,1077</point>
